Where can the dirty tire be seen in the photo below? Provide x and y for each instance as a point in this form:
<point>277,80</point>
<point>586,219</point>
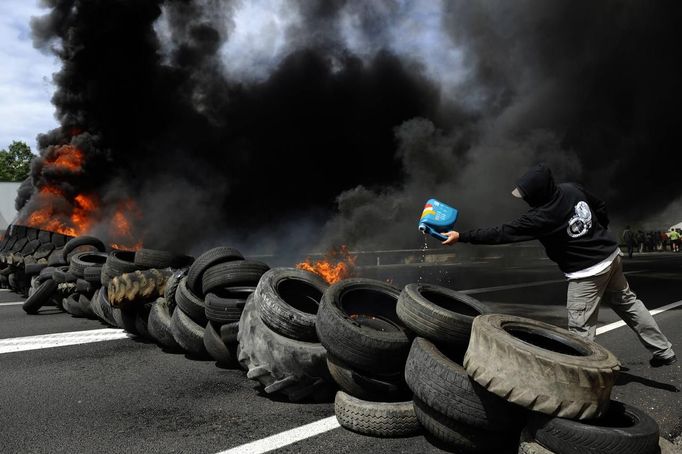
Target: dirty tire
<point>231,274</point>
<point>388,388</point>
<point>56,259</point>
<point>215,346</point>
<point>190,304</point>
<point>439,314</point>
<point>61,275</point>
<point>83,286</point>
<point>95,305</point>
<point>34,268</point>
<point>228,305</point>
<point>188,334</point>
<point>362,346</point>
<point>153,258</point>
<point>441,383</point>
<point>40,297</point>
<point>82,241</point>
<point>125,318</point>
<point>159,325</point>
<point>144,285</point>
<point>85,306</point>
<point>503,358</point>
<point>457,435</point>
<point>624,429</point>
<point>72,306</point>
<point>105,308</point>
<point>45,274</point>
<point>294,368</point>
<point>82,260</point>
<point>288,300</point>
<point>378,419</point>
<point>207,260</point>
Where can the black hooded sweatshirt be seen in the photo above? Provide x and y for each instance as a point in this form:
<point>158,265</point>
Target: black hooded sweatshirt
<point>568,221</point>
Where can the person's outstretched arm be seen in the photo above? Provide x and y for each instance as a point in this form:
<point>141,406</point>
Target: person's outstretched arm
<point>525,228</point>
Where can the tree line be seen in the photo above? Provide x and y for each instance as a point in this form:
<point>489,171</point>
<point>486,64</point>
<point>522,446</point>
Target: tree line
<point>15,162</point>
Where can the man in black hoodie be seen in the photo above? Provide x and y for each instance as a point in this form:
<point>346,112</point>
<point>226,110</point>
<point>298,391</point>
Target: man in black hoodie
<point>572,226</point>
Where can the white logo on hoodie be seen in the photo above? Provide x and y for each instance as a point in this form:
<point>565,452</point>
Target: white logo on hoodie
<point>581,223</point>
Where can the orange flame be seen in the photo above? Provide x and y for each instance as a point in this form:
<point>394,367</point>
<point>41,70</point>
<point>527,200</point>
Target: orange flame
<point>336,265</point>
<point>66,157</point>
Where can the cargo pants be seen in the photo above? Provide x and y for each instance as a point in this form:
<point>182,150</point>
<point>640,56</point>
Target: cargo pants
<point>585,295</point>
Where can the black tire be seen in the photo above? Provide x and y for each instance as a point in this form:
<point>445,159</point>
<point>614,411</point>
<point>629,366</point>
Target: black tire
<point>291,367</point>
<point>34,269</point>
<point>118,262</point>
<point>357,324</point>
<point>93,275</point>
<point>72,306</point>
<point>61,275</point>
<point>125,318</point>
<point>44,251</point>
<point>85,306</point>
<point>207,260</point>
<point>227,306</point>
<point>159,325</point>
<point>81,260</point>
<point>40,297</point>
<point>83,286</point>
<point>106,309</point>
<point>31,247</point>
<point>387,388</point>
<point>458,436</point>
<point>188,334</point>
<point>172,287</point>
<point>45,236</point>
<point>45,274</point>
<point>231,274</point>
<point>84,240</point>
<point>441,383</point>
<point>377,419</point>
<point>527,362</point>
<point>438,313</point>
<point>216,348</point>
<point>56,258</point>
<point>32,233</point>
<point>152,258</point>
<point>19,245</point>
<point>229,333</point>
<point>624,429</point>
<point>288,300</point>
<point>191,304</point>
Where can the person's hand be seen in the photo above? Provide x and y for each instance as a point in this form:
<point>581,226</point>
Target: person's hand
<point>453,237</point>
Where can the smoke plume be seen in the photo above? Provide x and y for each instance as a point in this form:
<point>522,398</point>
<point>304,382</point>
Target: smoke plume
<point>282,124</point>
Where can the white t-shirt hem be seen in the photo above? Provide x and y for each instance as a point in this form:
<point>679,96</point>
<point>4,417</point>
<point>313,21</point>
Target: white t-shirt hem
<point>594,269</point>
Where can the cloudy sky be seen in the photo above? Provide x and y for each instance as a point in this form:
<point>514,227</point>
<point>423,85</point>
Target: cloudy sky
<point>26,77</point>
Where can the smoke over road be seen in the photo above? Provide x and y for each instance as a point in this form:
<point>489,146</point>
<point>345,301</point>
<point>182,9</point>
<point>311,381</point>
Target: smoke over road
<point>277,122</point>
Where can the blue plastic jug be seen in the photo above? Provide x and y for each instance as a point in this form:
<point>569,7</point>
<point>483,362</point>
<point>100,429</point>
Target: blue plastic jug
<point>436,218</point>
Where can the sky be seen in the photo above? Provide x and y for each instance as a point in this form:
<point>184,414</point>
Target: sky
<point>26,77</point>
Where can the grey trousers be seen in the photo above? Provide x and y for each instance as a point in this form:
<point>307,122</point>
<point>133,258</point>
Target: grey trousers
<point>585,295</point>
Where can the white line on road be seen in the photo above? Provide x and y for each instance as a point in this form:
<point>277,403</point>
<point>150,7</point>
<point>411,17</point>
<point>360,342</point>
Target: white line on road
<point>286,438</point>
<point>20,344</point>
<point>13,303</point>
<point>620,323</point>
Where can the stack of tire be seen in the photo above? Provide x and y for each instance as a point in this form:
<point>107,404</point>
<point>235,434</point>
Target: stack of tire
<point>24,252</point>
<point>69,278</point>
<point>367,347</point>
<point>277,338</point>
<point>203,312</point>
<point>565,381</point>
<point>132,283</point>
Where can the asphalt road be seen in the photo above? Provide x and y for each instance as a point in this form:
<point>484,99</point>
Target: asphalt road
<point>129,396</point>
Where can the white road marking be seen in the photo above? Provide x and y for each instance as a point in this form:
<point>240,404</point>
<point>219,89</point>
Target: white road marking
<point>4,290</point>
<point>13,303</point>
<point>20,344</point>
<point>473,291</point>
<point>618,324</point>
<point>286,438</point>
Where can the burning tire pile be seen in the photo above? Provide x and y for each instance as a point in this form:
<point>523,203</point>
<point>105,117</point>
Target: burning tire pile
<point>424,359</point>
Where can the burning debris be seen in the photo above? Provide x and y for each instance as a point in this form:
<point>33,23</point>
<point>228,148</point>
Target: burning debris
<point>336,265</point>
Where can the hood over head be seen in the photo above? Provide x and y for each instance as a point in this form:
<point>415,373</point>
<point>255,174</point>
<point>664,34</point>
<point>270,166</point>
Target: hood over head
<point>537,185</point>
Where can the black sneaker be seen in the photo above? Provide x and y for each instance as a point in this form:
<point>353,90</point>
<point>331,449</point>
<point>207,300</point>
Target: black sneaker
<point>658,362</point>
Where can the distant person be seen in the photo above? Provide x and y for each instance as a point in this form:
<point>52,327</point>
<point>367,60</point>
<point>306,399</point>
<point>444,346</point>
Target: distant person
<point>674,236</point>
<point>572,226</point>
<point>641,238</point>
<point>629,238</point>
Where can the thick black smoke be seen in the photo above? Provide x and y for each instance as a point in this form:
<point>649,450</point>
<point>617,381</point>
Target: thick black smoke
<point>358,140</point>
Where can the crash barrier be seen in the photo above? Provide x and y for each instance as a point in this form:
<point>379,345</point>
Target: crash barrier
<point>422,359</point>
